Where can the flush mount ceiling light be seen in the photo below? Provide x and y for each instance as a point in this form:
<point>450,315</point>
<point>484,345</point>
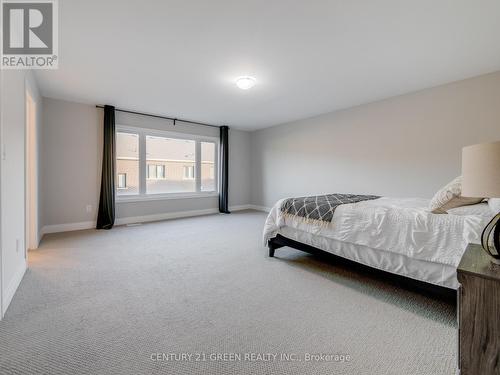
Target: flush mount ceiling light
<point>245,82</point>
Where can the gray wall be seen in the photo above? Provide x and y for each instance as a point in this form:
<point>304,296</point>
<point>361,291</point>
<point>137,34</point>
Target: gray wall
<point>71,161</point>
<point>408,145</point>
<point>71,164</point>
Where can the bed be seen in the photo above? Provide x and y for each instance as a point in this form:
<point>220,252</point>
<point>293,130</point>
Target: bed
<point>397,235</point>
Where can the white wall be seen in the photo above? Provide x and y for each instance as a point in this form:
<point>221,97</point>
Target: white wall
<point>71,164</point>
<point>408,145</point>
<point>13,137</point>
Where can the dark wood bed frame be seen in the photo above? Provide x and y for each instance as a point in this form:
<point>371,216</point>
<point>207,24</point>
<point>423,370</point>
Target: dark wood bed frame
<point>420,286</point>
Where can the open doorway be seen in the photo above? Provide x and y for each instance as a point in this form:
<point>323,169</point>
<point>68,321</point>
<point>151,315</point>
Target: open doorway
<point>31,189</point>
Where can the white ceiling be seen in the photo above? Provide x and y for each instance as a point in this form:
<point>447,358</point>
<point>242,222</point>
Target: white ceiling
<point>180,58</point>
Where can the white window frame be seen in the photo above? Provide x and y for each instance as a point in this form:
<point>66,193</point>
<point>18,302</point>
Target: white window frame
<point>142,195</point>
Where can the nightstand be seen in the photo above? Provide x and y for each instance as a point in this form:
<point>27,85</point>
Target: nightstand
<point>478,313</point>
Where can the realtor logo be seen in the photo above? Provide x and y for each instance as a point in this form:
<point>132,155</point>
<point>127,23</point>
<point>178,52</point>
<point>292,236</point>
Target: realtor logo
<point>30,35</point>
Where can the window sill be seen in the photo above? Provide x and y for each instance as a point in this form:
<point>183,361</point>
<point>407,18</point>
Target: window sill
<point>162,197</point>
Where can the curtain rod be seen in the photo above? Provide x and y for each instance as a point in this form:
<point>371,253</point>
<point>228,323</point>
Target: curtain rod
<point>162,117</point>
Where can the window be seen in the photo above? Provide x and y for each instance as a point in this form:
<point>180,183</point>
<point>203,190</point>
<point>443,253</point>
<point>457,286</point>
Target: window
<point>160,172</point>
<point>151,171</point>
<point>155,172</point>
<point>122,180</point>
<point>157,164</point>
<point>127,163</point>
<point>189,172</point>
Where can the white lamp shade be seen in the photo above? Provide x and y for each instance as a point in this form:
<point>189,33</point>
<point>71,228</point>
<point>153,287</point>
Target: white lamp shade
<point>481,170</point>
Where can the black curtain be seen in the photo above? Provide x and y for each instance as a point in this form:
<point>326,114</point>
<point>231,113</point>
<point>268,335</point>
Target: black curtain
<point>224,170</point>
<point>106,214</point>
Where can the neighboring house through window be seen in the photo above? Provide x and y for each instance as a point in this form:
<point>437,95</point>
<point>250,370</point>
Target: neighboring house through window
<point>154,163</point>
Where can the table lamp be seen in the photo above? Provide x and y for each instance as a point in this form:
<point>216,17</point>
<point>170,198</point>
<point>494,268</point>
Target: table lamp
<point>481,178</point>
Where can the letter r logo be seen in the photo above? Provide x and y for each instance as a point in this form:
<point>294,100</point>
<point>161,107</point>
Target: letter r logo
<point>27,28</point>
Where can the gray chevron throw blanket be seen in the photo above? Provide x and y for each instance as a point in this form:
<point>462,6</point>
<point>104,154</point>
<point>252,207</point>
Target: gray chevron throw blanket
<point>320,208</point>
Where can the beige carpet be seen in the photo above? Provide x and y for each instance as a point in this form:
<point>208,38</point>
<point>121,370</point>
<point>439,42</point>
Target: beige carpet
<point>203,292</point>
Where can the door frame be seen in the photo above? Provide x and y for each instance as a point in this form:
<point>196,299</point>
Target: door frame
<point>31,171</point>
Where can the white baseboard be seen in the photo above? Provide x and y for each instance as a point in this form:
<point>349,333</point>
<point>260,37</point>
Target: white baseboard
<point>240,207</point>
<point>259,208</point>
<point>176,215</point>
<point>164,216</point>
<point>69,227</point>
<point>10,290</point>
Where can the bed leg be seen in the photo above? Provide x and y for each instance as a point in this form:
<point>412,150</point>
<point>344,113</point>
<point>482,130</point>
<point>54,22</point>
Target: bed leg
<point>271,247</point>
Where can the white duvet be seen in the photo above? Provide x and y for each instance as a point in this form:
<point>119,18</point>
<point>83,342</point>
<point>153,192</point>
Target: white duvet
<point>403,226</point>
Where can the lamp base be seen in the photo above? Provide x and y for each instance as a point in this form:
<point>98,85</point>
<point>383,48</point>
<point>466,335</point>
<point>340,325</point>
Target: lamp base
<point>490,239</point>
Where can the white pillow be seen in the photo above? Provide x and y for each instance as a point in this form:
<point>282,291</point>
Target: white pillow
<point>480,209</point>
<point>450,197</point>
<point>494,204</point>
